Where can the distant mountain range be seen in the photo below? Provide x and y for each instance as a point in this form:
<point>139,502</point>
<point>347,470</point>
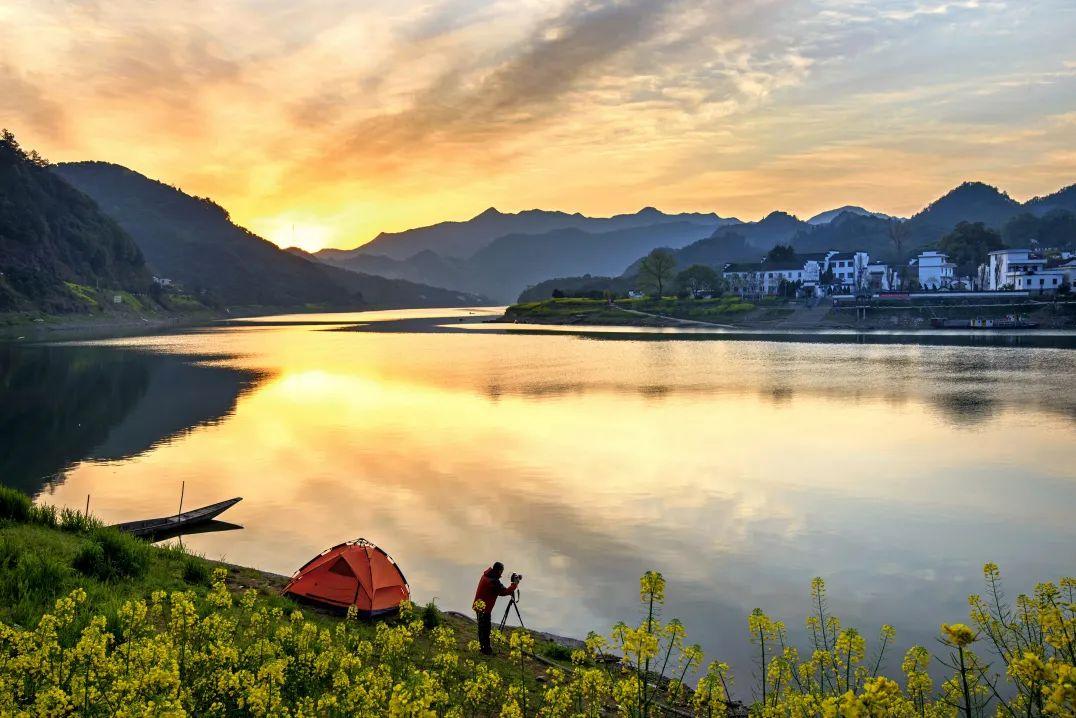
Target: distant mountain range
<point>193,241</point>
<point>103,225</point>
<point>886,238</point>
<point>503,266</point>
<point>830,215</point>
<point>54,238</point>
<point>537,245</point>
<point>460,240</point>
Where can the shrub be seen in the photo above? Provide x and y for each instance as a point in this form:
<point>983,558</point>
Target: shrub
<point>44,515</point>
<point>14,505</point>
<point>195,571</point>
<point>76,522</point>
<point>557,652</point>
<point>112,555</point>
<point>431,616</point>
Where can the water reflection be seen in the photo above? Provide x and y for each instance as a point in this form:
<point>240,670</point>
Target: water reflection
<point>739,469</point>
<point>61,404</point>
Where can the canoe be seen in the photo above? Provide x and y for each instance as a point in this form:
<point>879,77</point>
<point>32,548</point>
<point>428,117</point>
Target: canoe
<point>177,523</point>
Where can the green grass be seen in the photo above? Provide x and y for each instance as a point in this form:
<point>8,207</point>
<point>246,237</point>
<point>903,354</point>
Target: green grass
<point>598,310</point>
<point>47,553</point>
<point>83,293</point>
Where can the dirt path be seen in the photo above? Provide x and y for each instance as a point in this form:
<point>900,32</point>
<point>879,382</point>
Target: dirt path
<point>675,320</point>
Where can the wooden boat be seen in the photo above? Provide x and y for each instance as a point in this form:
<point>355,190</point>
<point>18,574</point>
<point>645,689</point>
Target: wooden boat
<point>177,523</point>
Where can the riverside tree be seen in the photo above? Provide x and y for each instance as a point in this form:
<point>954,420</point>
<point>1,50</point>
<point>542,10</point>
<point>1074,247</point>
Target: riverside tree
<point>657,270</point>
<point>698,278</point>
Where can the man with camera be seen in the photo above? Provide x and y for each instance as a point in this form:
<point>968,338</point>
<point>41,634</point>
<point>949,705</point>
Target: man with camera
<point>489,590</point>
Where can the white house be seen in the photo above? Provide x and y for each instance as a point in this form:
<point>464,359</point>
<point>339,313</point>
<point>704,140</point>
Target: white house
<point>935,270</point>
<point>847,268</point>
<point>765,278</point>
<point>1046,281</point>
<point>1006,266</point>
<point>879,277</point>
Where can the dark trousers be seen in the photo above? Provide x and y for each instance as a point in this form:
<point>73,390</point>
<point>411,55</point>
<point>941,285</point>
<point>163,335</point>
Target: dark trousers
<point>485,625</point>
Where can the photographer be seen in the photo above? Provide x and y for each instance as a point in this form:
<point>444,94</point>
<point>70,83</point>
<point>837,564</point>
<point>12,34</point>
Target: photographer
<point>489,590</point>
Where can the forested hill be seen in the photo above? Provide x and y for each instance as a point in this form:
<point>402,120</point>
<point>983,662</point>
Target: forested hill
<point>193,241</point>
<point>54,238</point>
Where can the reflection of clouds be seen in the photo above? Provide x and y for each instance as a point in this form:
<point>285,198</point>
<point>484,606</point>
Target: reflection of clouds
<point>544,452</point>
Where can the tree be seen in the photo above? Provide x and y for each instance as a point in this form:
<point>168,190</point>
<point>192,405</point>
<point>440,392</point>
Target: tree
<point>968,246</point>
<point>1056,229</point>
<point>697,278</point>
<point>898,235</point>
<point>656,270</point>
<point>781,253</point>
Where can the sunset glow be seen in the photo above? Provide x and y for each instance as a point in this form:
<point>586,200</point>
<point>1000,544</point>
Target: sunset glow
<point>347,119</point>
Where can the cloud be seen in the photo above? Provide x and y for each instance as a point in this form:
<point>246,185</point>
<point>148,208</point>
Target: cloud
<point>23,102</point>
<point>392,113</point>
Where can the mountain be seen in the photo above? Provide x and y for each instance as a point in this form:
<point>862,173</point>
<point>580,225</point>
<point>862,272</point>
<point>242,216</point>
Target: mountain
<point>507,265</point>
<point>462,239</point>
<point>510,264</point>
<point>1064,199</point>
<point>193,241</point>
<point>970,202</point>
<point>829,215</point>
<point>871,232</point>
<point>51,234</point>
<point>393,292</point>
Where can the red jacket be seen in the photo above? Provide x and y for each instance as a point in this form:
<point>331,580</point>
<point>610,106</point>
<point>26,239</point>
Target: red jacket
<point>490,588</point>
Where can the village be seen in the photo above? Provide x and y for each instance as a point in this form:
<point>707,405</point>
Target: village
<point>1017,272</point>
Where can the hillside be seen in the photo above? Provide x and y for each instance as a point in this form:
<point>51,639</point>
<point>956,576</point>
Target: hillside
<point>509,264</point>
<point>462,239</point>
<point>383,291</point>
<point>1063,199</point>
<point>970,202</point>
<point>52,237</point>
<point>193,241</point>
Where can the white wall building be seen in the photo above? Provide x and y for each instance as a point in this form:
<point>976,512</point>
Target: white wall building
<point>848,268</point>
<point>879,277</point>
<point>935,270</point>
<point>1006,267</point>
<point>1046,281</point>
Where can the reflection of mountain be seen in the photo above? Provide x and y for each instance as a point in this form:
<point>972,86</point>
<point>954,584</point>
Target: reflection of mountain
<point>61,405</point>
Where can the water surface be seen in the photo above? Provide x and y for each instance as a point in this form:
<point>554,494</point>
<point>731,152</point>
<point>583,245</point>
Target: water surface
<point>740,469</point>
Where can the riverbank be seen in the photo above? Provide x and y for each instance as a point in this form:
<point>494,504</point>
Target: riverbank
<point>775,314</point>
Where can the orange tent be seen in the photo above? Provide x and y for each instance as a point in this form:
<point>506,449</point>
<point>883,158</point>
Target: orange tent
<point>356,573</point>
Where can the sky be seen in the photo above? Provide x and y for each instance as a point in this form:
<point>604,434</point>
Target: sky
<point>323,122</point>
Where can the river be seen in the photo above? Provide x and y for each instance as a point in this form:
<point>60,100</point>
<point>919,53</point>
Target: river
<point>739,469</point>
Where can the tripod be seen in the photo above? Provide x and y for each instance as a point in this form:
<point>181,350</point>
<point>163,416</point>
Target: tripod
<point>513,602</point>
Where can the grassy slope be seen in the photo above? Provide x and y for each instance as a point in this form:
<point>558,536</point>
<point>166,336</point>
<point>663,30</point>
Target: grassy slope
<point>598,311</point>
<point>37,567</point>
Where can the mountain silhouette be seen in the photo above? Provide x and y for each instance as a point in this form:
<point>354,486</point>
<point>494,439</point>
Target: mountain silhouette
<point>52,234</point>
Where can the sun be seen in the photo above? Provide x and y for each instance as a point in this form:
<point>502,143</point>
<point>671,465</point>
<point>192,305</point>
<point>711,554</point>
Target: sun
<point>286,232</point>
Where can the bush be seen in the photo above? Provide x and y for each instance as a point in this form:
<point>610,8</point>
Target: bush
<point>557,652</point>
<point>76,522</point>
<point>195,571</point>
<point>431,616</point>
<point>112,555</point>
<point>14,505</point>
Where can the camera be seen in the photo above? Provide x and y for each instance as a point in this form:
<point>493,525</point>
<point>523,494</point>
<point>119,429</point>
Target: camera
<point>517,577</point>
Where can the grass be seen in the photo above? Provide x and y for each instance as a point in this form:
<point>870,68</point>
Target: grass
<point>599,311</point>
<point>46,553</point>
<point>83,293</point>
